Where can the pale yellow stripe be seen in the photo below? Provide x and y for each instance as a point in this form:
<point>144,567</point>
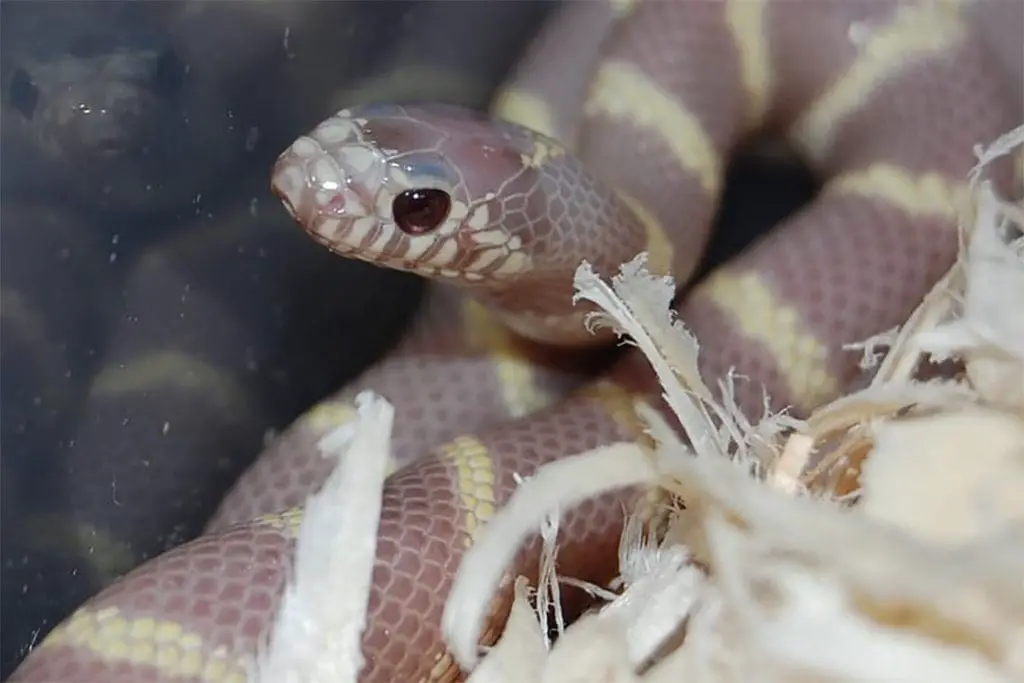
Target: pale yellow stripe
<point>526,109</point>
<point>164,370</point>
<point>475,469</point>
<point>331,414</point>
<point>514,370</point>
<point>802,360</point>
<point>928,194</point>
<point>747,24</point>
<point>621,91</point>
<point>18,311</point>
<point>959,5</point>
<point>916,32</point>
<point>162,644</point>
<point>289,522</point>
<point>544,151</point>
<point>30,326</point>
<point>660,251</point>
<point>623,7</point>
<point>620,405</point>
<point>106,556</point>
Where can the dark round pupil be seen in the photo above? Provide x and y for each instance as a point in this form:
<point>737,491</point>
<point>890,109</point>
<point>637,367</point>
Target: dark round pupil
<point>421,211</point>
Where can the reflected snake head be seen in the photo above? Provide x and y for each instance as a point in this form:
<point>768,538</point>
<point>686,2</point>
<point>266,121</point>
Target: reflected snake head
<point>99,108</point>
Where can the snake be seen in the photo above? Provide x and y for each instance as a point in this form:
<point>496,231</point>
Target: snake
<point>609,138</point>
<point>96,107</point>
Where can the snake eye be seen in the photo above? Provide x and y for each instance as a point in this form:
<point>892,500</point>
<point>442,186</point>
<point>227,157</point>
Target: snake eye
<point>420,211</point>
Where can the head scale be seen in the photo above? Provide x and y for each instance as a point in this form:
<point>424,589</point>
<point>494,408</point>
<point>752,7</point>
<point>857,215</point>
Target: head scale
<point>416,188</point>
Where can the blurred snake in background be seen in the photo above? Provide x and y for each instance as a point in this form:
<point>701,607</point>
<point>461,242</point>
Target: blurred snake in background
<point>610,138</point>
<point>100,110</point>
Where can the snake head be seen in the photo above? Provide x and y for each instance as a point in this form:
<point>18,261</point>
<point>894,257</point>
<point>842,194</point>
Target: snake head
<point>417,188</point>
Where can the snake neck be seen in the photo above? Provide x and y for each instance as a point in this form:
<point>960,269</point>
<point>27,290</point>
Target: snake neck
<point>542,310</point>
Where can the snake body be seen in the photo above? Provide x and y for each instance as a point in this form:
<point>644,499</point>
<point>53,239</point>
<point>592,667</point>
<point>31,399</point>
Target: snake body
<point>625,114</point>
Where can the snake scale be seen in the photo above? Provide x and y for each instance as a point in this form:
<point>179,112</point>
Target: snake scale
<point>610,138</point>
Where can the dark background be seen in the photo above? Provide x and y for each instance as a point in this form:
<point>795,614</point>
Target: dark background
<point>160,313</point>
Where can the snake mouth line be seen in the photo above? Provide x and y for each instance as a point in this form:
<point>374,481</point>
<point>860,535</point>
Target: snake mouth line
<point>287,204</point>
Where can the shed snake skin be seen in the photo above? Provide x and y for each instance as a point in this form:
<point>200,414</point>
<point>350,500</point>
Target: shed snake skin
<point>625,115</point>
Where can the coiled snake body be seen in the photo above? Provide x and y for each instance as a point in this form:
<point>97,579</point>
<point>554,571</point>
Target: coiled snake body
<point>629,113</point>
